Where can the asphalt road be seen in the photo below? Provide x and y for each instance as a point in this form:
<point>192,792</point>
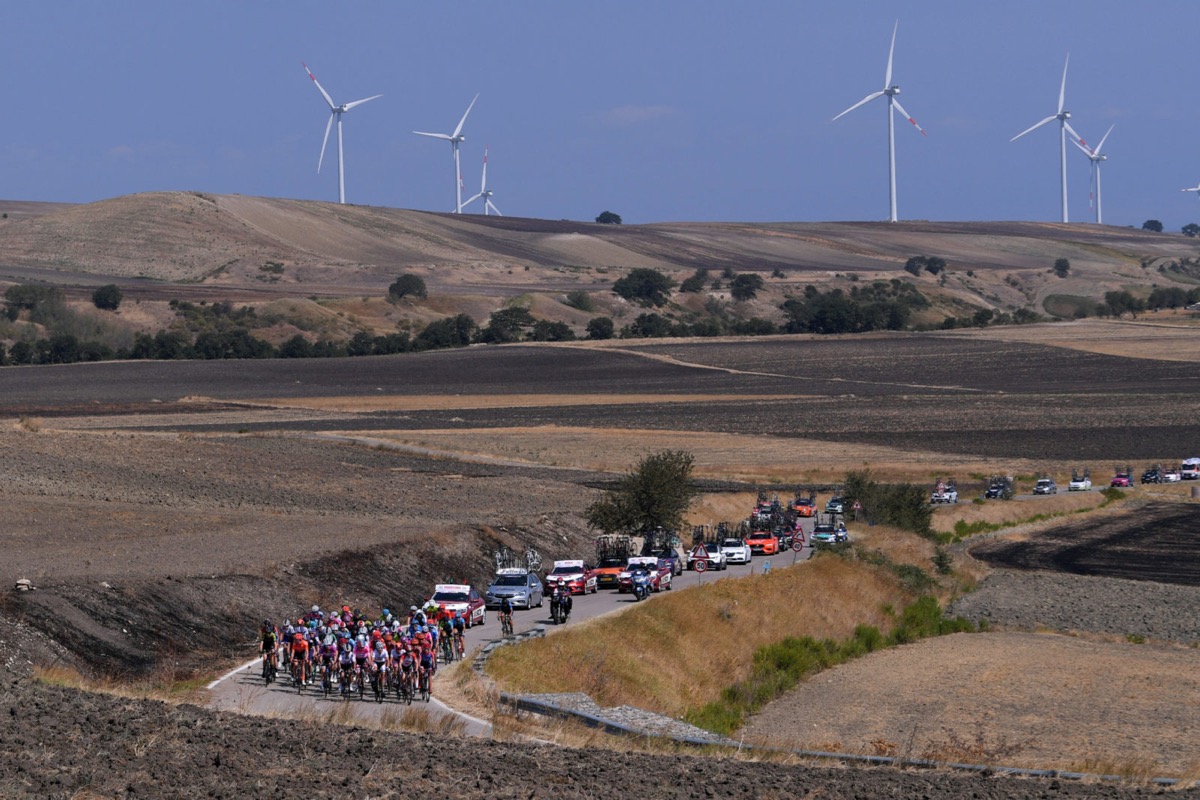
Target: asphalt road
<point>242,690</point>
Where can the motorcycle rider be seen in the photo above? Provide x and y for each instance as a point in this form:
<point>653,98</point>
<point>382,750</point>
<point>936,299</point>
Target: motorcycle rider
<point>564,598</point>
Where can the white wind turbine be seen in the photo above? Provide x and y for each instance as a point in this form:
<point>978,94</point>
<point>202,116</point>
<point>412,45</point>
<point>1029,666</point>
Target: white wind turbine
<point>455,139</point>
<point>1095,156</point>
<point>1063,128</point>
<point>335,111</point>
<point>484,192</point>
<point>889,91</point>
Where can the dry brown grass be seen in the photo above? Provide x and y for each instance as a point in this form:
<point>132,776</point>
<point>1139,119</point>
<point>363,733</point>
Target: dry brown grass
<point>359,404</point>
<point>998,512</point>
<point>163,685</point>
<point>1164,337</point>
<point>682,649</point>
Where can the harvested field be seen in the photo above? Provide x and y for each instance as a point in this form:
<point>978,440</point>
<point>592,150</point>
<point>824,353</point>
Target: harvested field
<point>1155,543</point>
<point>1005,698</point>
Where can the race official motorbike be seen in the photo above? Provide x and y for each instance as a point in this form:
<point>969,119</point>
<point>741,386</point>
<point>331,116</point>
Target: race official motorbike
<point>560,605</point>
<point>640,583</point>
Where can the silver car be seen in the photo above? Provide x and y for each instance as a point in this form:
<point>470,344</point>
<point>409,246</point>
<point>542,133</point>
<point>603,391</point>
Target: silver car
<point>522,588</point>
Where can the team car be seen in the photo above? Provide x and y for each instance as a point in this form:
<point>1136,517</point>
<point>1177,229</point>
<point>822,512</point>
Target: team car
<point>736,551</point>
<point>578,575</point>
<point>522,588</point>
<point>828,533</point>
<point>1080,483</point>
<point>1121,480</point>
<point>1045,486</point>
<point>836,505</point>
<point>659,569</point>
<point>1190,470</point>
<point>763,543</point>
<point>944,492</point>
<point>710,552</point>
<point>608,570</point>
<point>805,506</point>
<point>460,598</point>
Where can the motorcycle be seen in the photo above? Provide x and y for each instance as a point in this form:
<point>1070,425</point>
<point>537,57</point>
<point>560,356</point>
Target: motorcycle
<point>640,581</point>
<point>560,607</point>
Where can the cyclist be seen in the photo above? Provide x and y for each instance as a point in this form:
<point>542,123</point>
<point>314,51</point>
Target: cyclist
<point>445,631</point>
<point>300,656</point>
<point>505,613</point>
<point>285,639</point>
<point>427,664</point>
<point>460,628</point>
<point>268,642</point>
<point>407,664</point>
<point>346,662</point>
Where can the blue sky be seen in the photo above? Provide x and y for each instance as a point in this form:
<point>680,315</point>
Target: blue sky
<point>659,111</point>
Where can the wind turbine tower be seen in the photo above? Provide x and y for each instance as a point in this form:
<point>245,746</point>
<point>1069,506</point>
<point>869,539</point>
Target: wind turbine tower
<point>335,112</point>
<point>484,192</point>
<point>1063,128</point>
<point>455,139</point>
<point>889,91</point>
<point>1096,156</point>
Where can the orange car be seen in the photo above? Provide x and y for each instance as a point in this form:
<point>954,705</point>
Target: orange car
<point>805,506</point>
<point>763,543</point>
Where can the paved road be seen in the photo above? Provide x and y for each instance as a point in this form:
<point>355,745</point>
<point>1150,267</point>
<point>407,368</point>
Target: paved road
<point>242,690</point>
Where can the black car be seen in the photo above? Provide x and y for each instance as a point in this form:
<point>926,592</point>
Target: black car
<point>1152,475</point>
<point>999,490</point>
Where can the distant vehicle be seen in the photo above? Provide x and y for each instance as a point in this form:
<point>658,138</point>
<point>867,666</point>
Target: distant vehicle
<point>836,505</point>
<point>1190,471</point>
<point>1121,480</point>
<point>805,506</point>
<point>712,554</point>
<point>1080,483</point>
<point>944,492</point>
<point>522,588</point>
<point>736,551</point>
<point>460,597</point>
<point>1152,475</point>
<point>1045,486</point>
<point>829,533</point>
<point>578,575</point>
<point>1172,475</point>
<point>763,543</point>
<point>659,569</point>
<point>999,488</point>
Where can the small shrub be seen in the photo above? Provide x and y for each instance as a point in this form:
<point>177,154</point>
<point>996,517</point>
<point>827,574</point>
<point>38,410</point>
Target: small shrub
<point>408,285</point>
<point>580,300</point>
<point>107,298</point>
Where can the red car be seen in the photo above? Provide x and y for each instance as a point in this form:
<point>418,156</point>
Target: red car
<point>460,597</point>
<point>578,575</point>
<point>1121,479</point>
<point>763,543</point>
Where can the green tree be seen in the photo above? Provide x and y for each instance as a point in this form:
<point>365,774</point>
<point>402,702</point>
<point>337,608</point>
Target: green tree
<point>507,325</point>
<point>1152,225</point>
<point>745,286</point>
<point>608,218</point>
<point>408,285</point>
<point>21,353</point>
<point>647,287</point>
<point>1191,229</point>
<point>1062,267</point>
<point>648,326</point>
<point>655,495</point>
<point>546,331</point>
<point>695,283</point>
<point>580,300</point>
<point>600,328</point>
<point>446,332</point>
<point>108,297</point>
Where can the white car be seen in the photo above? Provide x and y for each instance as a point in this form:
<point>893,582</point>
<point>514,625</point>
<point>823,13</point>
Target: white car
<point>1171,475</point>
<point>736,551</point>
<point>711,553</point>
<point>1083,484</point>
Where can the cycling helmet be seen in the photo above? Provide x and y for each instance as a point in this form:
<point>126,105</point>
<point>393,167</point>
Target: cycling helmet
<point>287,623</point>
<point>379,644</point>
<point>315,609</point>
<point>386,613</point>
<point>362,638</point>
<point>346,646</point>
<point>266,623</point>
<point>329,639</point>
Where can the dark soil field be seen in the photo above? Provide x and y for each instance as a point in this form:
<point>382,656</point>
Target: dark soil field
<point>1157,543</point>
<point>59,743</point>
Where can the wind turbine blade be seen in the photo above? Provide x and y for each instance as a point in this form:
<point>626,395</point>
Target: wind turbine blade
<point>472,200</point>
<point>434,135</point>
<point>461,122</point>
<point>492,206</point>
<point>483,184</point>
<point>900,108</point>
<point>887,77</point>
<point>1104,138</point>
<point>1193,189</point>
<point>1071,131</point>
<point>320,88</point>
<point>364,100</point>
<point>1062,90</point>
<point>1034,128</point>
<point>1084,148</point>
<point>862,102</point>
<point>324,142</point>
